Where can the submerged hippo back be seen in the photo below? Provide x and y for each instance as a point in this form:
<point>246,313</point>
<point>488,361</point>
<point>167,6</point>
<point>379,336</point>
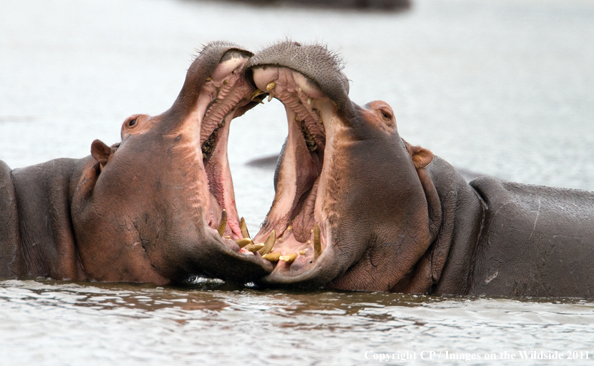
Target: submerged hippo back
<point>9,229</point>
<point>537,241</point>
<point>46,237</point>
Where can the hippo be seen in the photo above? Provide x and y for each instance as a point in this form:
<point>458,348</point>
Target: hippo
<point>357,207</point>
<point>156,207</point>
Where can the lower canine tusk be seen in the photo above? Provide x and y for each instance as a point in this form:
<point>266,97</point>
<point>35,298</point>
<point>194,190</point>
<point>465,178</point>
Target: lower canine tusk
<point>223,223</point>
<point>244,229</point>
<point>254,247</point>
<point>269,243</point>
<point>317,243</point>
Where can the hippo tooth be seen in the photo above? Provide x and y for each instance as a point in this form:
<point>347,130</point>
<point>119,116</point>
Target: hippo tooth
<point>269,243</point>
<point>254,247</point>
<point>317,243</point>
<point>255,94</point>
<point>273,257</point>
<point>244,229</point>
<point>302,252</point>
<point>289,258</point>
<point>208,79</point>
<point>223,223</point>
<point>225,81</point>
<point>243,242</point>
<point>270,86</point>
<point>270,96</point>
<point>309,100</point>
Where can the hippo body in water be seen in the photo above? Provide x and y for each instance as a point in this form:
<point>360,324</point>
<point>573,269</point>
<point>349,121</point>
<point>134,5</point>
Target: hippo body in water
<point>506,239</point>
<point>358,208</point>
<point>156,207</point>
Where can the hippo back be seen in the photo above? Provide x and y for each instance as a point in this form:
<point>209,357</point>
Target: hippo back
<point>43,195</point>
<point>9,227</point>
<point>537,241</point>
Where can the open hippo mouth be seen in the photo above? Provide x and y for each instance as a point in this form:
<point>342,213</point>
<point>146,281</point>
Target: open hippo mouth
<point>293,73</point>
<point>292,241</point>
<point>343,179</point>
<point>214,93</point>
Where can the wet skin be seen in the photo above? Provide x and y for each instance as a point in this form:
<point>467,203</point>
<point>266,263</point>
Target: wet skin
<point>358,208</point>
<point>146,209</point>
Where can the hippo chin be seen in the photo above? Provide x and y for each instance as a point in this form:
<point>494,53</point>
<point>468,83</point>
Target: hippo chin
<point>154,208</point>
<point>358,208</point>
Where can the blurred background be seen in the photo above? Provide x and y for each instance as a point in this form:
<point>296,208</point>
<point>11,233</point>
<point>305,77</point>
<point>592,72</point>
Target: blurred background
<point>503,87</point>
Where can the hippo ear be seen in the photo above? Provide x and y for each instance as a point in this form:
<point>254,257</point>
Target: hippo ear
<point>421,157</point>
<point>100,152</point>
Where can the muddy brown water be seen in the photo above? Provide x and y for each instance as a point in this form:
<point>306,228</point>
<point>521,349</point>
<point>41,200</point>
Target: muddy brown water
<point>500,87</point>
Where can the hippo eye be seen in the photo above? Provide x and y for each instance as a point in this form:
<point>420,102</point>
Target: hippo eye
<point>132,123</point>
<point>386,114</point>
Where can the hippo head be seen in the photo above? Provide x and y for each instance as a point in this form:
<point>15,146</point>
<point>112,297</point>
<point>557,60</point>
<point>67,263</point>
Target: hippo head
<point>161,202</point>
<point>349,191</point>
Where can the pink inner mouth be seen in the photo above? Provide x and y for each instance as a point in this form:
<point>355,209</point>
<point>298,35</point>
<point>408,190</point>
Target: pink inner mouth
<point>296,211</point>
<point>223,96</point>
<point>292,236</point>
